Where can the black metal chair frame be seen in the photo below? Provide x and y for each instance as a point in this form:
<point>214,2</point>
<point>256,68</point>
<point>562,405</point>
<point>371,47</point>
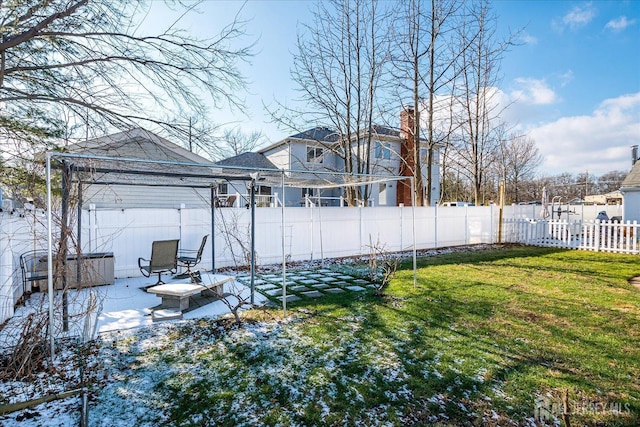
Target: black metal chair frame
<point>29,266</point>
<point>190,258</point>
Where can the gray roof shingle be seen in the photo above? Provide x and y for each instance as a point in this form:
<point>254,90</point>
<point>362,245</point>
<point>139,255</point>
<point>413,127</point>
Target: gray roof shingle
<point>248,160</point>
<point>322,134</point>
<point>633,178</point>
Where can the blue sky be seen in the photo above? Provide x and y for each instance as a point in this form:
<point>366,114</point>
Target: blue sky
<point>572,83</point>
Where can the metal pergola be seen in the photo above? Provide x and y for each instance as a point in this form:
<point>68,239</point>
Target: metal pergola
<point>82,169</point>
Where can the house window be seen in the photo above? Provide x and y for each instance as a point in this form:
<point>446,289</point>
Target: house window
<point>382,194</point>
<point>314,154</point>
<point>383,150</point>
<point>223,188</point>
<point>307,192</point>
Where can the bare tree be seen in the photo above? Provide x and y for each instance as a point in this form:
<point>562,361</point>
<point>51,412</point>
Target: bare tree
<point>235,141</point>
<point>562,187</point>
<point>518,161</point>
<point>237,298</point>
<point>195,132</point>
<point>480,110</point>
<point>610,181</point>
<point>337,67</point>
<point>382,265</point>
<point>88,61</point>
<point>425,60</point>
<point>565,187</point>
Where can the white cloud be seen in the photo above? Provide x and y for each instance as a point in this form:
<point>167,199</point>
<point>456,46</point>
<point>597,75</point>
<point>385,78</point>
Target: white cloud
<point>533,92</point>
<point>527,38</point>
<point>598,142</point>
<point>579,16</point>
<point>619,24</point>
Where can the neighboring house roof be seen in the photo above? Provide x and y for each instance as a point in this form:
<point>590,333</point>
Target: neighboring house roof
<point>632,181</point>
<point>138,144</point>
<point>168,164</point>
<point>321,134</point>
<point>324,134</point>
<point>329,136</point>
<point>248,160</point>
<point>383,130</point>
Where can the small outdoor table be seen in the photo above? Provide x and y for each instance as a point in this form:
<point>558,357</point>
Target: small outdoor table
<point>176,295</point>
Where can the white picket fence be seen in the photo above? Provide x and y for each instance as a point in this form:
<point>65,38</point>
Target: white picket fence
<point>605,236</point>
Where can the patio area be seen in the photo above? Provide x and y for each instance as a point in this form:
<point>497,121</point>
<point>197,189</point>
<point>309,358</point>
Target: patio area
<point>127,305</point>
<point>121,306</point>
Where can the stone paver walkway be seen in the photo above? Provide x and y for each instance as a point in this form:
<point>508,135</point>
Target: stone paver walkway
<point>306,284</point>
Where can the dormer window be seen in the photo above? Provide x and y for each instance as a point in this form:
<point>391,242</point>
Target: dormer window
<point>315,154</point>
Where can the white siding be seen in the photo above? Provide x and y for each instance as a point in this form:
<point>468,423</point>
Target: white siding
<point>279,156</point>
<point>130,196</point>
<point>295,152</point>
<point>631,206</point>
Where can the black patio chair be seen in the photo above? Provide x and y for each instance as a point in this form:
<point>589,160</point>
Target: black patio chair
<point>34,268</point>
<point>164,254</point>
<point>190,258</point>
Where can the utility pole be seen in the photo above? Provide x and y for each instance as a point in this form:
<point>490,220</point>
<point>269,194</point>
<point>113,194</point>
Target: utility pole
<point>586,183</point>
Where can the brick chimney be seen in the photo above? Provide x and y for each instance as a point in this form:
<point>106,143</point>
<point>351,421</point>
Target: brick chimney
<point>407,163</point>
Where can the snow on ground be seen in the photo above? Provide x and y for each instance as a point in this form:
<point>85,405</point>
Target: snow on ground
<point>126,305</point>
<point>123,306</point>
<point>138,362</point>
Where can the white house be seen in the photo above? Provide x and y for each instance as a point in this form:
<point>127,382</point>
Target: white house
<point>315,150</point>
<point>630,189</point>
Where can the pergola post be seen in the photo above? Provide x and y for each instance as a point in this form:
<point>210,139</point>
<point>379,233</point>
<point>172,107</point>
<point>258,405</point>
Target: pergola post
<point>79,232</point>
<point>284,254</point>
<point>252,202</point>
<point>413,224</point>
<point>62,250</point>
<point>50,286</point>
<point>213,197</point>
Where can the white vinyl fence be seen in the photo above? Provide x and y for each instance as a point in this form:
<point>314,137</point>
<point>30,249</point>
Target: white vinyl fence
<point>607,236</point>
<point>18,234</point>
<point>309,234</point>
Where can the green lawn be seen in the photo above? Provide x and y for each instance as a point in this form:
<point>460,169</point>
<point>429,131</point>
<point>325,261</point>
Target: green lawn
<point>484,338</point>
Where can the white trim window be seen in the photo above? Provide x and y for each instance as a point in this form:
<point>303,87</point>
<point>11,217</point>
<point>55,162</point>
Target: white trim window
<point>383,150</point>
<point>315,154</point>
